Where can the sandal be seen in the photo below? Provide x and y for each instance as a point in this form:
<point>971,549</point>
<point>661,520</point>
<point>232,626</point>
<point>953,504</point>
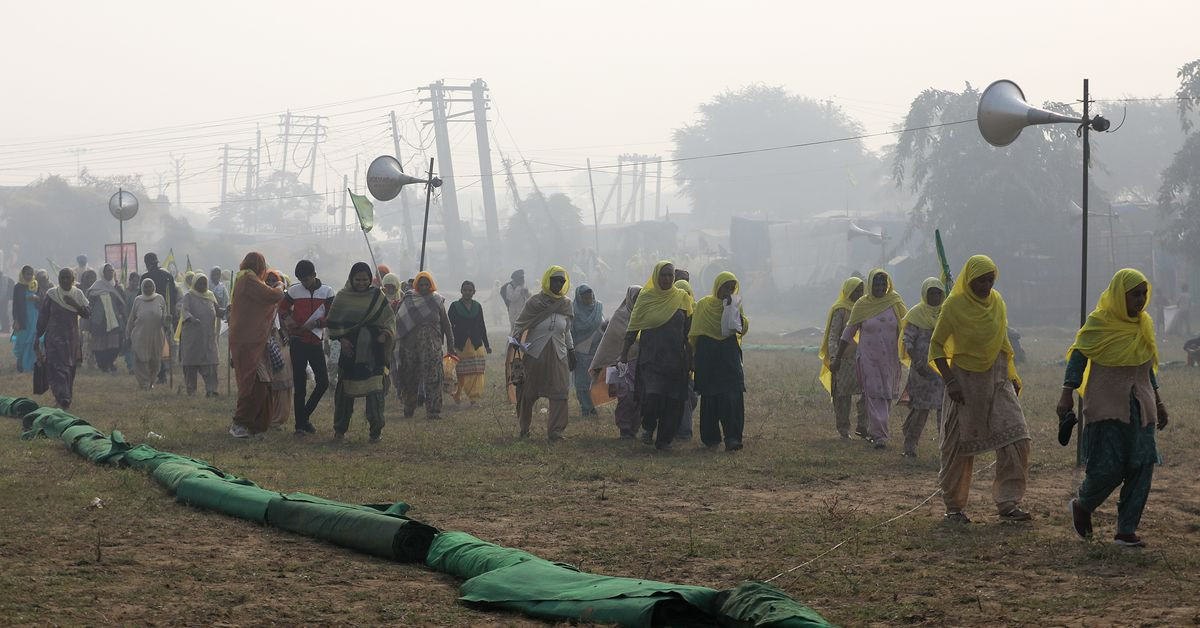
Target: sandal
<point>1015,514</point>
<point>957,517</point>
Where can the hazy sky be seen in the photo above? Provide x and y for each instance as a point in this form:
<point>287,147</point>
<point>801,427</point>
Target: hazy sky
<point>570,79</point>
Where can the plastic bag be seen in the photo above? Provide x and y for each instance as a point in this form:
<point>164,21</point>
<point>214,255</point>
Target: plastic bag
<point>449,373</point>
<point>731,317</point>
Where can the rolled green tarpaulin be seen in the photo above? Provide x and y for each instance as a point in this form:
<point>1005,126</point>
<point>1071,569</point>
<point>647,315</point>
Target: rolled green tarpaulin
<point>362,528</point>
<point>232,498</point>
<point>147,458</point>
<point>553,591</point>
<point>760,605</point>
<point>17,407</point>
<point>50,422</point>
<point>97,447</point>
<point>465,556</point>
<point>170,474</point>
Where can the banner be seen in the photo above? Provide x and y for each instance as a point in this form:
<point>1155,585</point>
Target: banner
<point>112,255</point>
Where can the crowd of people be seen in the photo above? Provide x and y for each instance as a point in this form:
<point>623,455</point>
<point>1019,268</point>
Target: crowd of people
<point>660,355</point>
<point>962,369</point>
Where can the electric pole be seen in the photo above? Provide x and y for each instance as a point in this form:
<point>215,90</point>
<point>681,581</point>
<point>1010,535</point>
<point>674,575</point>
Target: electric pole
<point>479,100</point>
<point>178,177</point>
<point>224,173</point>
<point>450,221</point>
<point>409,245</point>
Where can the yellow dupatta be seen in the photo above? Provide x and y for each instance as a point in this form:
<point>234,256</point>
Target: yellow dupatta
<point>972,332</point>
<point>656,306</point>
<point>1110,336</point>
<point>551,272</point>
<point>869,307</point>
<point>843,303</point>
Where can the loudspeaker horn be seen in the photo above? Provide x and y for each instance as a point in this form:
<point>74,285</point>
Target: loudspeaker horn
<point>385,178</point>
<point>1003,112</point>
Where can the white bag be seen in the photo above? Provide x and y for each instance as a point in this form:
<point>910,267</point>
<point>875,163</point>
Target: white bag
<point>731,317</point>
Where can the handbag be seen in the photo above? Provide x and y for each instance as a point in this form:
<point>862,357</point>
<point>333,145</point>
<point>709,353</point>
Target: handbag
<point>731,317</point>
<point>518,370</point>
<point>274,354</point>
<point>41,382</point>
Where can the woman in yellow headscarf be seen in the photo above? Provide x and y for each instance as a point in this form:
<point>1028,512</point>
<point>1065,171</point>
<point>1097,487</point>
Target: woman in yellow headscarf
<point>659,324</point>
<point>843,385</point>
<point>971,350</point>
<point>925,387</point>
<point>549,352</point>
<point>1112,364</point>
<point>875,321</point>
<point>720,380</point>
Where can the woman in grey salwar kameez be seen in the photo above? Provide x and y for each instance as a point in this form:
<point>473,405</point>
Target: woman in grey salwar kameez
<point>58,327</point>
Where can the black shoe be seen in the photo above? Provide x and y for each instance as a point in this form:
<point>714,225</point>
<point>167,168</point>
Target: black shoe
<point>1066,424</point>
<point>733,446</point>
<point>1081,520</point>
<point>305,428</point>
<point>375,438</point>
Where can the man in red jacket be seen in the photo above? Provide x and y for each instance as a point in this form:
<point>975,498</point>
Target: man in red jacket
<point>305,309</point>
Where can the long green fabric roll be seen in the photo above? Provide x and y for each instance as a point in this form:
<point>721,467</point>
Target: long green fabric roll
<point>49,421</point>
<point>170,474</point>
<point>16,407</point>
<point>362,528</point>
<point>465,556</point>
<point>761,605</point>
<point>557,592</point>
<point>228,497</point>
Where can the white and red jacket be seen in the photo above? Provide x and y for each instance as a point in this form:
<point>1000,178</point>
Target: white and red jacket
<point>300,304</point>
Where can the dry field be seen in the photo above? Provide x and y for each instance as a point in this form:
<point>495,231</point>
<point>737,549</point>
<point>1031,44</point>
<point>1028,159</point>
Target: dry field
<point>608,506</point>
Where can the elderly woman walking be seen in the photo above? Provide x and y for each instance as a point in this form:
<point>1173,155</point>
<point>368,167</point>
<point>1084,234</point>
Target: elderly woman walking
<point>26,300</point>
<point>251,311</point>
<point>875,321</point>
<point>147,321</point>
<point>925,388</point>
<point>58,327</point>
<point>199,328</point>
<point>972,352</point>
<point>585,330</point>
<point>107,323</point>
<point>608,355</point>
<point>421,327</point>
<point>1112,363</point>
<point>843,385</point>
<point>660,323</point>
<point>471,343</point>
<point>550,354</point>
<point>363,324</point>
<point>720,380</point>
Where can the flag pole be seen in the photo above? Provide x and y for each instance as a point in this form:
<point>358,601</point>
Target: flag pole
<point>425,228</point>
<point>374,265</point>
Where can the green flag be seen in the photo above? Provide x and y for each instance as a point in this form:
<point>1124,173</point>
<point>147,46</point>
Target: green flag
<point>366,211</point>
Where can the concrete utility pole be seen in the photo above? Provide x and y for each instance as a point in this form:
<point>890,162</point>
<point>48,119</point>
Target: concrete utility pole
<point>479,100</point>
<point>657,189</point>
<point>287,132</point>
<point>450,219</point>
<point>178,177</point>
<point>409,244</point>
<point>224,173</point>
<point>313,160</point>
<point>345,186</point>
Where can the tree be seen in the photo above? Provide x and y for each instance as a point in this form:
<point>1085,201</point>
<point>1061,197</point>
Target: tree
<point>280,203</point>
<point>1009,201</point>
<point>789,183</point>
<point>1179,196</point>
<point>549,227</point>
<point>1129,164</point>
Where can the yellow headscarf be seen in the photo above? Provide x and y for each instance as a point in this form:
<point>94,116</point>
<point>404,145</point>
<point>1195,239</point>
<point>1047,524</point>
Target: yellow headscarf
<point>706,321</point>
<point>551,272</point>
<point>426,274</point>
<point>923,314</point>
<point>656,306</point>
<point>843,303</point>
<point>972,332</point>
<point>1110,337</point>
<point>870,306</point>
<point>684,285</point>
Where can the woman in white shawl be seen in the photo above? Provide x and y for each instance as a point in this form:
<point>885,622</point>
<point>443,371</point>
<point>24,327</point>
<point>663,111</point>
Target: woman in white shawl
<point>107,323</point>
<point>147,321</point>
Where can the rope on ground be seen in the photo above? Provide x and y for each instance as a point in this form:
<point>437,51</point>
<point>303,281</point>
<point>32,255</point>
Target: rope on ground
<point>865,530</point>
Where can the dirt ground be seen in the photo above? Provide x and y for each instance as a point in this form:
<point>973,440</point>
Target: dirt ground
<point>608,506</point>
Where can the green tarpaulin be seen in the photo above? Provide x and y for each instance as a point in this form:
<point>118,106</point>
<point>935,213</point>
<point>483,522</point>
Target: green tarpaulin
<point>465,556</point>
<point>49,421</point>
<point>16,407</point>
<point>760,605</point>
<point>362,528</point>
<point>227,497</point>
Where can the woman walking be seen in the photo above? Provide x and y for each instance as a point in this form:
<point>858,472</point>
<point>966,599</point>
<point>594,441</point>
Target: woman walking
<point>627,415</point>
<point>147,320</point>
<point>26,303</point>
<point>843,385</point>
<point>199,328</point>
<point>972,352</point>
<point>875,321</point>
<point>421,326</point>
<point>550,356</point>
<point>251,311</point>
<point>362,322</point>
<point>58,328</point>
<point>107,323</point>
<point>720,381</point>
<point>1114,352</point>
<point>585,331</point>
<point>659,324</point>
<point>925,388</point>
<point>471,343</point>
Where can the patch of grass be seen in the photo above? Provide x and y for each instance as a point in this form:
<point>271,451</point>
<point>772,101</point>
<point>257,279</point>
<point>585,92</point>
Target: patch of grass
<point>608,506</point>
